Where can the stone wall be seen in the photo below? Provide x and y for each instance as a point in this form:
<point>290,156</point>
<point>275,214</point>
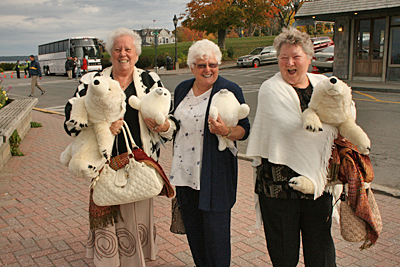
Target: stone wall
<point>17,115</point>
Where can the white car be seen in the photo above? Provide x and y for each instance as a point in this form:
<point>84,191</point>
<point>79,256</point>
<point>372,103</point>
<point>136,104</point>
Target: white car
<point>324,59</point>
<point>260,55</point>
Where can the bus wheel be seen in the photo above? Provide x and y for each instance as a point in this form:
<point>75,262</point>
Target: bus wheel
<point>47,71</point>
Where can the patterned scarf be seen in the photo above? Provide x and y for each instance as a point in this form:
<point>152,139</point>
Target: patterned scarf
<point>102,217</point>
<point>356,169</point>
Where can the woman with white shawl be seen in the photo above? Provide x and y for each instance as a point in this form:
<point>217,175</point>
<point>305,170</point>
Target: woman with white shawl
<point>292,163</point>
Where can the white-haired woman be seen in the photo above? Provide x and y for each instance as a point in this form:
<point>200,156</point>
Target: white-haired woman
<point>124,235</point>
<point>205,178</point>
<point>291,163</point>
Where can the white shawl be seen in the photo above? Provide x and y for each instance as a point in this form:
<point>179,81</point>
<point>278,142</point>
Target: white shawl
<point>277,133</point>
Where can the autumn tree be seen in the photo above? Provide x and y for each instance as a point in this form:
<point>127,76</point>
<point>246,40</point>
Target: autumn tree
<point>217,16</point>
<point>185,34</point>
<point>286,10</point>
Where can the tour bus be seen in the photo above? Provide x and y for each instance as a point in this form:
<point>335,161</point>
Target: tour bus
<point>52,56</point>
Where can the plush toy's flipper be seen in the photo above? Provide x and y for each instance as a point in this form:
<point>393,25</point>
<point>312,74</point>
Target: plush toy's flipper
<point>213,112</point>
<point>311,121</point>
<point>105,138</point>
<point>356,135</point>
<point>243,111</point>
<point>83,168</point>
<point>160,118</point>
<point>229,143</point>
<point>221,143</point>
<point>134,102</point>
<point>65,156</point>
<point>302,184</point>
<point>79,115</point>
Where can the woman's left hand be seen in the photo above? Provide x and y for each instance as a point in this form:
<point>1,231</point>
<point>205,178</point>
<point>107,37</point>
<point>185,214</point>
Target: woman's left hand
<point>152,125</point>
<point>217,126</point>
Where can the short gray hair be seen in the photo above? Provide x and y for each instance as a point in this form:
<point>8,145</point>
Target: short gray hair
<point>292,36</point>
<point>119,32</point>
<point>203,49</point>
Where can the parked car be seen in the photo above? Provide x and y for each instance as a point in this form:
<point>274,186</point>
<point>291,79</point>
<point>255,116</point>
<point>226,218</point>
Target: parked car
<point>324,59</point>
<point>259,56</point>
<point>321,42</point>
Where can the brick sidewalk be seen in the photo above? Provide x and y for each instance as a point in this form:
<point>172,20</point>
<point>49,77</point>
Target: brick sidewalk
<point>44,214</point>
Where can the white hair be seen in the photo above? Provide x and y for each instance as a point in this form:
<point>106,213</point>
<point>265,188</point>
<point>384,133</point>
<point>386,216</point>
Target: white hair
<point>292,36</point>
<point>119,32</point>
<point>203,49</point>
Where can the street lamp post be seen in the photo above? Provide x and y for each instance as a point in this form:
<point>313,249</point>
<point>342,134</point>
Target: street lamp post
<point>155,33</point>
<point>175,20</point>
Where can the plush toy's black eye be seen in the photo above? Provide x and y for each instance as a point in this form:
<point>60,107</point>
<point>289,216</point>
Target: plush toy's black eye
<point>165,93</point>
<point>96,82</point>
<point>333,80</point>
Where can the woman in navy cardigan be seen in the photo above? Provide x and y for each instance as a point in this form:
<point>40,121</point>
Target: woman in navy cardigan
<point>205,178</point>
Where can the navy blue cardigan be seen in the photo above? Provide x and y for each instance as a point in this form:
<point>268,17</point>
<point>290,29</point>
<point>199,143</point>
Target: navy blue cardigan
<point>219,172</point>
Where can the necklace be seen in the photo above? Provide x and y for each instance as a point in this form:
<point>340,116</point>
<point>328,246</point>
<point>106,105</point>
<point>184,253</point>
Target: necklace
<point>126,85</point>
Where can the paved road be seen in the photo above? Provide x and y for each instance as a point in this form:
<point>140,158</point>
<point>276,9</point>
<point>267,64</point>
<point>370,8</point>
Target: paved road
<point>378,112</point>
<point>44,214</point>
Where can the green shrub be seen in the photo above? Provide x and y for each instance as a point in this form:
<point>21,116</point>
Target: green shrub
<point>15,140</point>
<point>7,66</point>
<point>144,62</point>
<point>231,52</point>
<point>36,124</point>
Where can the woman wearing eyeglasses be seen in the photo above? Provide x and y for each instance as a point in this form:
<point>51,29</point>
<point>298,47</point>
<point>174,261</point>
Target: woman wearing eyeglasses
<point>205,178</point>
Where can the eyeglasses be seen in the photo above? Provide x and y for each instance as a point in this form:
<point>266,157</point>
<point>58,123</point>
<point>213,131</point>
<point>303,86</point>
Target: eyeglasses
<point>203,66</point>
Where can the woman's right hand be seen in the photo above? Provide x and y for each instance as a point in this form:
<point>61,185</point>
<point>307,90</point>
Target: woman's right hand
<point>116,126</point>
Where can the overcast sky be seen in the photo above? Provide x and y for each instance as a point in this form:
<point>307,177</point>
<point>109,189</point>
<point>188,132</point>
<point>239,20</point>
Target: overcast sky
<point>24,24</point>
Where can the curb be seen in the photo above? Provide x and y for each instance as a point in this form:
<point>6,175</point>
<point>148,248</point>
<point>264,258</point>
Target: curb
<point>376,187</point>
<point>187,70</point>
<point>372,89</point>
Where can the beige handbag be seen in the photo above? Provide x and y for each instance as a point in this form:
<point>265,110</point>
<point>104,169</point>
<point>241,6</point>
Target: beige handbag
<point>353,228</point>
<point>133,182</point>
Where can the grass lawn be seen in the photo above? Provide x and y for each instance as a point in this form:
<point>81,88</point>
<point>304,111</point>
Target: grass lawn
<point>240,46</point>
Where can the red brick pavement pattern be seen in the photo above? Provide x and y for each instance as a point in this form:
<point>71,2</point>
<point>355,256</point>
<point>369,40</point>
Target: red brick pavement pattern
<point>44,214</point>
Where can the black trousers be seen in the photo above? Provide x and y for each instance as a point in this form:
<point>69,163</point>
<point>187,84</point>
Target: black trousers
<point>285,219</point>
<point>208,232</point>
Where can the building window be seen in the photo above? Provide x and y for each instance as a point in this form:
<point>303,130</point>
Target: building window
<point>395,21</point>
<point>394,47</point>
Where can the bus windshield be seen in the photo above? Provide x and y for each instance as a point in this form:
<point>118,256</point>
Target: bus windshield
<point>85,47</point>
<point>90,51</point>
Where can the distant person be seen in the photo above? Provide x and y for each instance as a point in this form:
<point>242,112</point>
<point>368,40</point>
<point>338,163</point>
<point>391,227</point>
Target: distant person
<point>73,67</point>
<point>27,67</point>
<point>17,67</point>
<point>84,65</point>
<point>69,65</point>
<point>77,67</point>
<point>34,73</point>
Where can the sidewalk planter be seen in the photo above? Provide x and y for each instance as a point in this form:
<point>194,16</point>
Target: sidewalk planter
<point>17,115</point>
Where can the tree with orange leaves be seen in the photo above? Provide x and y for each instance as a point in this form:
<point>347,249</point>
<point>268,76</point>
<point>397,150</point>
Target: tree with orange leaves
<point>185,34</point>
<point>217,16</point>
<point>286,9</point>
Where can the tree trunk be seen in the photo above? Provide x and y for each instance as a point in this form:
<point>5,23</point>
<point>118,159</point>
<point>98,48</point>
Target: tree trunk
<point>221,38</point>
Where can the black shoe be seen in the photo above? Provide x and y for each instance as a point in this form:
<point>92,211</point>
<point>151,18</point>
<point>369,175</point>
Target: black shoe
<point>43,92</point>
<point>31,96</point>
